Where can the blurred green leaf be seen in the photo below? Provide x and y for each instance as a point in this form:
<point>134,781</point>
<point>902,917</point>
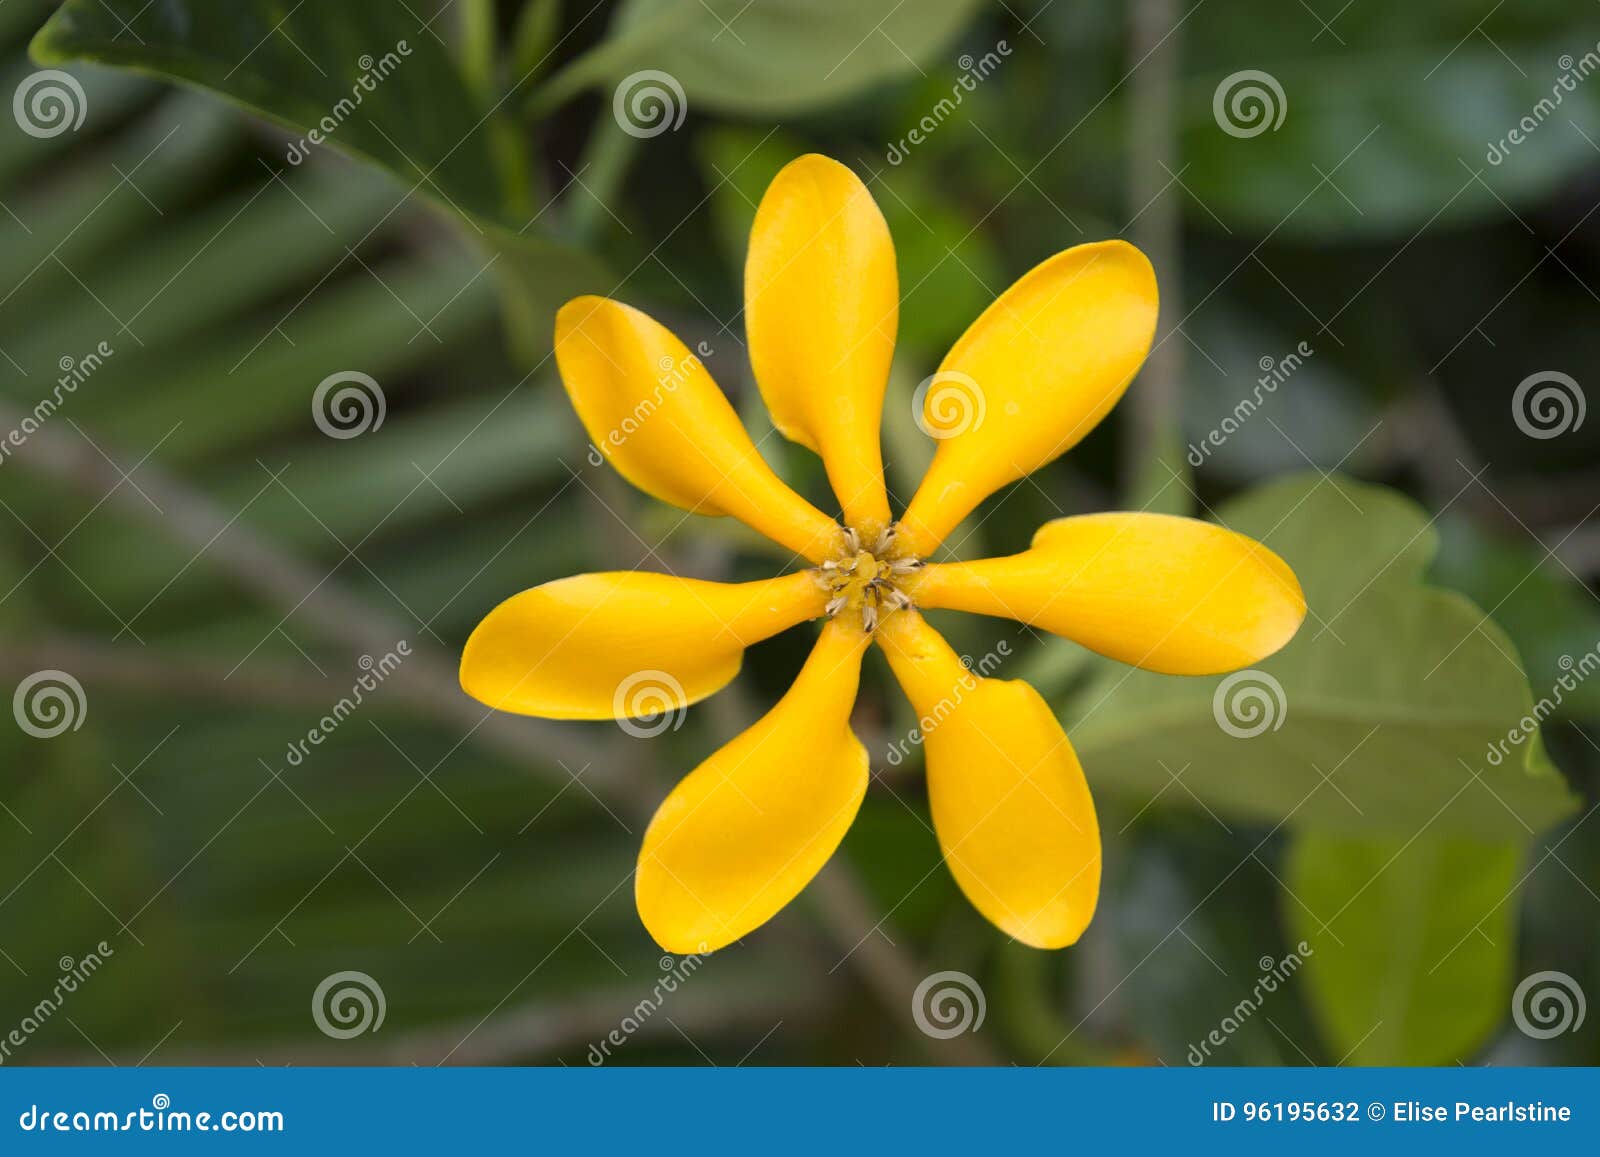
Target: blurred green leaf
<point>392,95</point>
<point>1378,716</point>
<point>1552,617</point>
<point>346,72</point>
<point>1201,924</point>
<point>775,58</point>
<point>1414,963</point>
<point>1258,402</point>
<point>1386,114</point>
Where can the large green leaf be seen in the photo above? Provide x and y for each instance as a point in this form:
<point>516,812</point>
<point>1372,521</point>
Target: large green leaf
<point>301,66</point>
<point>1554,619</point>
<point>775,58</point>
<point>1413,963</point>
<point>375,82</point>
<point>1201,927</point>
<point>1379,716</point>
<point>1398,105</point>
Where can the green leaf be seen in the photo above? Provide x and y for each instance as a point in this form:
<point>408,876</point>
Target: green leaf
<point>368,85</point>
<point>1398,109</point>
<point>1201,926</point>
<point>414,115</point>
<point>1554,620</point>
<point>776,58</point>
<point>1413,965</point>
<point>1378,717</point>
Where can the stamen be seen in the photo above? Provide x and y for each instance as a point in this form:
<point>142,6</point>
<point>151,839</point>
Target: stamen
<point>865,580</point>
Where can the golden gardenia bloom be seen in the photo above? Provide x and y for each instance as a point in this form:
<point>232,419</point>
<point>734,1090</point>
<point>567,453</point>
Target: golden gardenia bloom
<point>745,831</point>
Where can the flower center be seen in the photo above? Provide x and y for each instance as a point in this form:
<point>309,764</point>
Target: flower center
<point>864,580</point>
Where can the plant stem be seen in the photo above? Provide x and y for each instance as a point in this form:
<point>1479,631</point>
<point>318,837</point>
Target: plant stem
<point>1154,433</point>
<point>429,675</point>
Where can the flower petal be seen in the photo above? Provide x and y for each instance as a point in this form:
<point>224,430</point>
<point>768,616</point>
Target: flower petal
<point>1010,803</point>
<point>1034,374</point>
<point>625,644</point>
<point>822,302</point>
<point>1169,594</point>
<point>748,829</point>
<point>653,410</point>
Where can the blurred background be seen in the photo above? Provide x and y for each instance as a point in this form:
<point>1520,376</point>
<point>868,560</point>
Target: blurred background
<point>283,428</point>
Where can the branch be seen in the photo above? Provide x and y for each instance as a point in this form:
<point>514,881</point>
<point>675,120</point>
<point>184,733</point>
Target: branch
<point>1154,430</point>
<point>429,677</point>
<point>532,1031</point>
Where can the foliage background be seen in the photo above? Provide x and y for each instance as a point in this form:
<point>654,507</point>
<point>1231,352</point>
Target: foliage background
<point>183,539</point>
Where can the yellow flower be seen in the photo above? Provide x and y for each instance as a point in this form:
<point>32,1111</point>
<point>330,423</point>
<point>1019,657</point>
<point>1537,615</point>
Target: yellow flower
<point>745,832</point>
